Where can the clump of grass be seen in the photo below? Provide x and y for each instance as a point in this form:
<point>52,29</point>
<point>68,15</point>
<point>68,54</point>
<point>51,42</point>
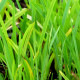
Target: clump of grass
<point>32,38</point>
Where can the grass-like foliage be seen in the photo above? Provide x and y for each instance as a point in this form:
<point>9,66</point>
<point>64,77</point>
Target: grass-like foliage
<point>40,41</point>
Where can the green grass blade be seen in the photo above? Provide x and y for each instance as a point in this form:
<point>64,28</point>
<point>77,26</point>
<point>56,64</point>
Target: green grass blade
<point>17,15</point>
<point>7,55</point>
<point>26,37</point>
<point>65,12</point>
<point>14,26</point>
<point>62,74</point>
<point>52,41</point>
<point>14,46</point>
<point>48,66</point>
<point>29,69</point>
<point>3,58</point>
<point>46,22</point>
<point>38,8</point>
<point>1,76</point>
<point>2,4</point>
